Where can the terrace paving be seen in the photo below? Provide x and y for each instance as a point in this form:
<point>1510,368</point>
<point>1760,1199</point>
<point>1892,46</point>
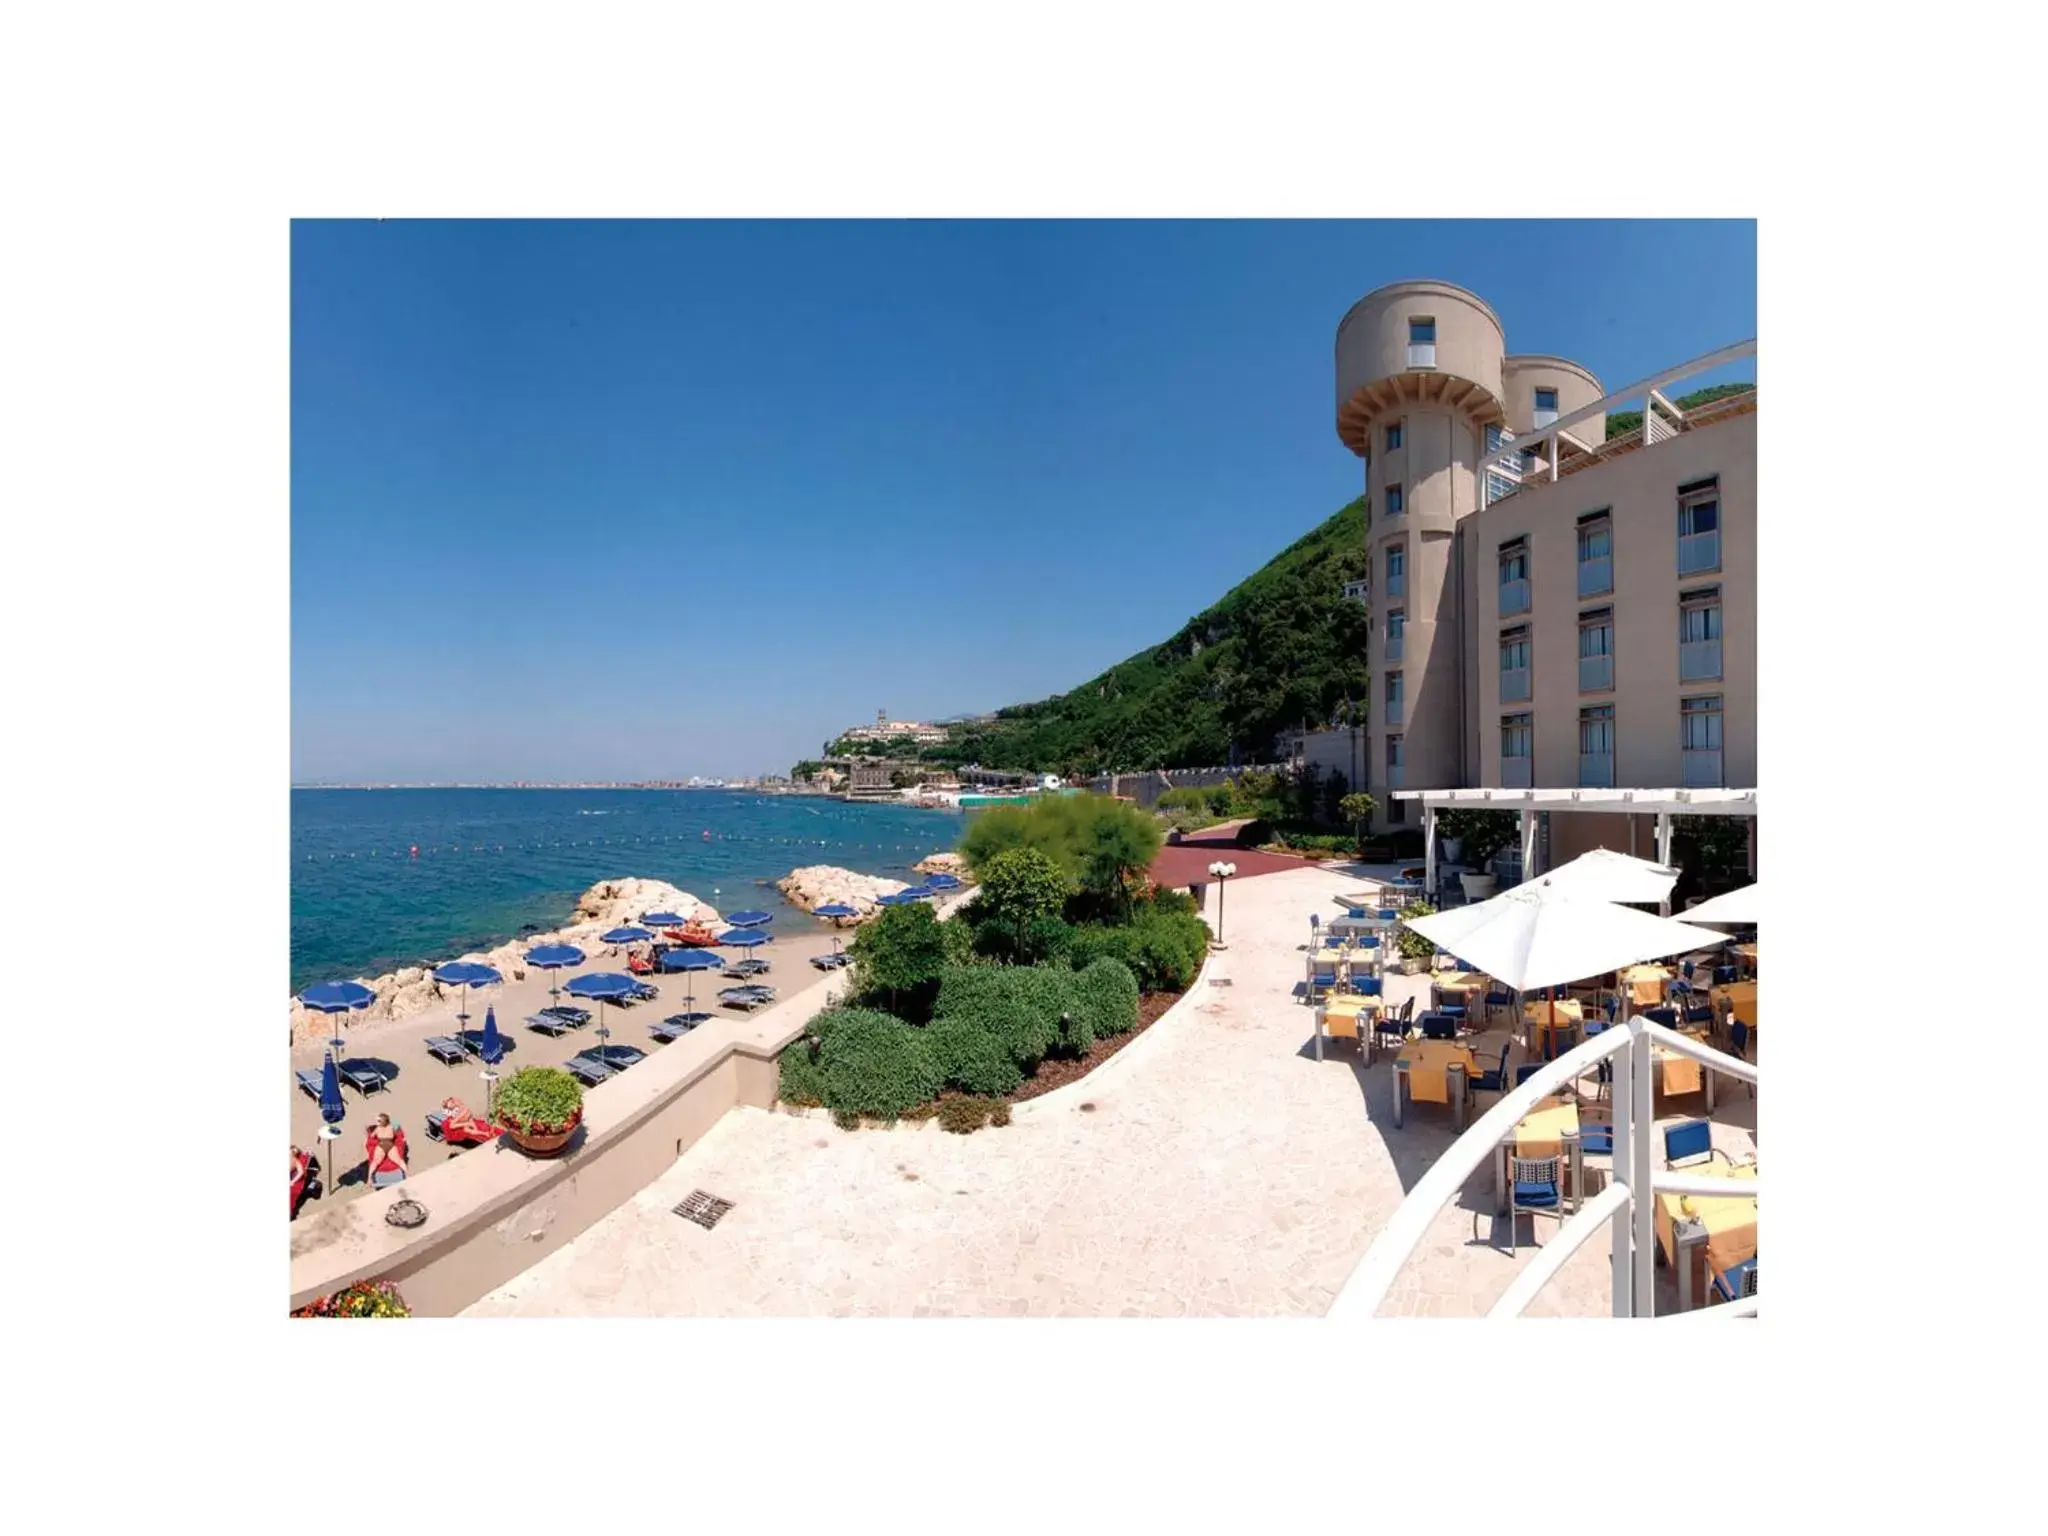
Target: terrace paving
<point>1212,1168</point>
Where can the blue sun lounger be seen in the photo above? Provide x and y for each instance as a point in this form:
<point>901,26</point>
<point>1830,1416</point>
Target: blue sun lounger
<point>365,1080</point>
<point>446,1049</point>
<point>548,1023</point>
<point>591,1068</point>
<point>310,1081</point>
<point>676,1025</point>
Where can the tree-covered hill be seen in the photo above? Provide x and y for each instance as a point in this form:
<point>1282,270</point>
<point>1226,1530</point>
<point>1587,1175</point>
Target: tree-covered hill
<point>1628,421</point>
<point>1283,648</point>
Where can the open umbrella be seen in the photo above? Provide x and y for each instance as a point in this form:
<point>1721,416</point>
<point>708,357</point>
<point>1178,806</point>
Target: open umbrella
<point>1606,875</point>
<point>750,919</point>
<point>336,998</point>
<point>1542,935</point>
<point>942,882</point>
<point>465,974</point>
<point>688,961</point>
<point>1735,908</point>
<point>662,919</point>
<point>554,957</point>
<point>626,935</point>
<point>605,986</point>
<point>834,909</point>
<point>902,898</point>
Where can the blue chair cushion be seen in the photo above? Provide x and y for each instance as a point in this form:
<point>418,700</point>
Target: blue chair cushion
<point>1536,1194</point>
<point>1527,1070</point>
<point>1597,1138</point>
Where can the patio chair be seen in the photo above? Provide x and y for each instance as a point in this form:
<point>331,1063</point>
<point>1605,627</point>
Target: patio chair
<point>364,1079</point>
<point>446,1049</point>
<point>1535,1185</point>
<point>1494,1079</point>
<point>1725,975</point>
<point>1367,986</point>
<point>1662,1013</point>
<point>1597,1141</point>
<point>1322,977</point>
<point>1738,1038</point>
<point>1451,1006</point>
<point>1498,999</point>
<point>1527,1070</point>
<point>1390,1025</point>
<point>1439,1026</point>
<point>1689,1143</point>
<point>1697,1012</point>
<point>1736,1283</point>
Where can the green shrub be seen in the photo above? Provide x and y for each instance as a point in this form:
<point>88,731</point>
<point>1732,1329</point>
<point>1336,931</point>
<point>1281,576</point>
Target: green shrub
<point>1414,946</point>
<point>801,1084</point>
<point>972,1058</point>
<point>999,1112</point>
<point>539,1099</point>
<point>1163,949</point>
<point>1019,1005</point>
<point>1094,842</point>
<point>874,1064</point>
<point>1184,799</point>
<point>846,1119</point>
<point>1108,995</point>
<point>897,959</point>
<point>1169,898</point>
<point>958,934</point>
<point>1077,1030</point>
<point>963,1116</point>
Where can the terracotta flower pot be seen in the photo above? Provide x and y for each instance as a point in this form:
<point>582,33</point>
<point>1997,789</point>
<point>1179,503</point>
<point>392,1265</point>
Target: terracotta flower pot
<point>540,1143</point>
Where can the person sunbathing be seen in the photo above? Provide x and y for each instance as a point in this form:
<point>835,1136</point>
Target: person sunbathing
<point>460,1124</point>
<point>384,1146</point>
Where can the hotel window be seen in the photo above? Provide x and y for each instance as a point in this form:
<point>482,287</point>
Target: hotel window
<point>1421,343</point>
<point>1393,437</point>
<point>1514,577</point>
<point>1394,699</point>
<point>1394,766</point>
<point>1397,623</point>
<point>1397,571</point>
<point>1596,747</point>
<point>1517,751</point>
<point>1596,554</point>
<point>1546,407</point>
<point>1395,505</point>
<point>1699,635</point>
<point>1514,664</point>
<point>1699,740</point>
<point>1596,650</point>
<point>1699,526</point>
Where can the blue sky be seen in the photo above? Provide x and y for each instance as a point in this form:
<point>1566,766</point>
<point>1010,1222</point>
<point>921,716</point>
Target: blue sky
<point>635,500</point>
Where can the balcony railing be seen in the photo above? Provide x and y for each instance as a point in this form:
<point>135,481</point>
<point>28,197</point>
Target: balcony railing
<point>1421,354</point>
<point>1699,660</point>
<point>1394,644</point>
<point>1394,776</point>
<point>1359,592</point>
<point>1596,576</point>
<point>1516,773</point>
<point>1596,770</point>
<point>1700,769</point>
<point>1596,674</point>
<point>1393,711</point>
<point>1514,596</point>
<point>1514,686</point>
<point>1397,586</point>
<point>1699,552</point>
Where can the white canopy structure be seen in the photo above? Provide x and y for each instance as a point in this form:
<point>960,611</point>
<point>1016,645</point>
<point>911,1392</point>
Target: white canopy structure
<point>1543,935</point>
<point>1733,907</point>
<point>1606,875</point>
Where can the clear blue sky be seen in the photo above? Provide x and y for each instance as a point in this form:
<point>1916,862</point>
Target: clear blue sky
<point>635,500</point>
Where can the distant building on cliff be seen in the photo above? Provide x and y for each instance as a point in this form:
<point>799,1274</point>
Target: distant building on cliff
<point>893,731</point>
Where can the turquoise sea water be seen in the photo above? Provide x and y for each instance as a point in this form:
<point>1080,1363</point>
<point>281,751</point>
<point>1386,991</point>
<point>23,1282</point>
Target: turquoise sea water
<point>496,863</point>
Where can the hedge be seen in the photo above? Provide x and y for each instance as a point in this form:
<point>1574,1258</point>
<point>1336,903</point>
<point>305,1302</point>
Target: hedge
<point>1019,1005</point>
<point>972,1058</point>
<point>802,1084</point>
<point>874,1064</point>
<point>1163,949</point>
<point>1108,994</point>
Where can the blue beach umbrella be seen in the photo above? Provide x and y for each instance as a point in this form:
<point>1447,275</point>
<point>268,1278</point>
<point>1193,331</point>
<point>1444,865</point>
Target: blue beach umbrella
<point>835,909</point>
<point>626,935</point>
<point>466,974</point>
<point>663,919</point>
<point>689,961</point>
<point>896,899</point>
<point>942,882</point>
<point>332,1112</point>
<point>336,998</point>
<point>752,919</point>
<point>745,938</point>
<point>554,957</point>
<point>605,986</point>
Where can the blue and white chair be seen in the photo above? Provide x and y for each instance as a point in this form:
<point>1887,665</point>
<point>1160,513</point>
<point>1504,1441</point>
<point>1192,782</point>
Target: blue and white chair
<point>1736,1283</point>
<point>1535,1185</point>
<point>1690,1143</point>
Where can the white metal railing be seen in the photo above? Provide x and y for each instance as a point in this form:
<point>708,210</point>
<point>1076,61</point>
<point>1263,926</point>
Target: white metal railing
<point>1626,1207</point>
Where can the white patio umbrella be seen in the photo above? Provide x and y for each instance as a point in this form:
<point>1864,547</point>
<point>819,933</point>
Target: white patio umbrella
<point>1606,875</point>
<point>1541,934</point>
<point>1733,907</point>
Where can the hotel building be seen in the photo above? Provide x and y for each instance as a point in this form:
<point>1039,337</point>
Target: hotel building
<point>1551,609</point>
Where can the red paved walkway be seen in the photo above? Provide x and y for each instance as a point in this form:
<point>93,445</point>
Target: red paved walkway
<point>1188,864</point>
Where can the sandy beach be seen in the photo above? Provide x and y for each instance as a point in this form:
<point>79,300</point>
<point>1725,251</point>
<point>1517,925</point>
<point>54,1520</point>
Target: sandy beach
<point>418,1082</point>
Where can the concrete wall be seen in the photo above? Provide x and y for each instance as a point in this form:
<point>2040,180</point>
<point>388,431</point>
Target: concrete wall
<point>1146,788</point>
<point>1641,490</point>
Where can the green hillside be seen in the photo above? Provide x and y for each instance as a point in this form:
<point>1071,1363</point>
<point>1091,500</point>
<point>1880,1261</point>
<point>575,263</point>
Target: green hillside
<point>1628,421</point>
<point>1282,648</point>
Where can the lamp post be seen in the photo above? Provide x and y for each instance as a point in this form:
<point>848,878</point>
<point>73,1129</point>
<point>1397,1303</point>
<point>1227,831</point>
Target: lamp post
<point>1221,873</point>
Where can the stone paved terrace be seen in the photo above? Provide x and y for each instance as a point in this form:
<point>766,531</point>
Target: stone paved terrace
<point>1213,1167</point>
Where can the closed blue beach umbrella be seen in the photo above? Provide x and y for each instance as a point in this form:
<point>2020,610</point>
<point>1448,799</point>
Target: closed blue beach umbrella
<point>332,1112</point>
<point>492,1048</point>
<point>465,974</point>
<point>554,957</point>
<point>336,998</point>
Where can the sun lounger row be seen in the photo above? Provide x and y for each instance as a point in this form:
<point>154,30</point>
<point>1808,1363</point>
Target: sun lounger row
<point>832,962</point>
<point>554,1021</point>
<point>753,996</point>
<point>365,1079</point>
<point>604,1061</point>
<point>676,1025</point>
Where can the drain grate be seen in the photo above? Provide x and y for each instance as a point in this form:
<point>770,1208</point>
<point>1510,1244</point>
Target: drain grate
<point>703,1208</point>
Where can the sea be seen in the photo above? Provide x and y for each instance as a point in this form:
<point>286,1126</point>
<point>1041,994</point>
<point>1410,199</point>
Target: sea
<point>383,878</point>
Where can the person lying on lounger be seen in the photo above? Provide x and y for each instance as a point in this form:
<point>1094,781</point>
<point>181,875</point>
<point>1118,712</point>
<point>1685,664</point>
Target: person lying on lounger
<point>460,1124</point>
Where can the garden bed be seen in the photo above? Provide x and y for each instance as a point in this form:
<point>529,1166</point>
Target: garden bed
<point>1058,1071</point>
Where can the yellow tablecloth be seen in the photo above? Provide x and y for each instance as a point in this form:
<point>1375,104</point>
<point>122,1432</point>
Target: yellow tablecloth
<point>1740,996</point>
<point>1676,1073</point>
<point>1330,954</point>
<point>1542,1133</point>
<point>1730,1222</point>
<point>1340,1015</point>
<point>1569,1011</point>
<point>1429,1064</point>
<point>1645,984</point>
<point>1458,981</point>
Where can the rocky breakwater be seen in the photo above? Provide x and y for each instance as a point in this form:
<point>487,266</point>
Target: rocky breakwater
<point>945,864</point>
<point>819,885</point>
<point>608,904</point>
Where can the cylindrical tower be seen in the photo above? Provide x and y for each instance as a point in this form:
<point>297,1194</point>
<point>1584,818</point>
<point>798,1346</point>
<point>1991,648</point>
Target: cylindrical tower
<point>1419,380</point>
<point>1542,389</point>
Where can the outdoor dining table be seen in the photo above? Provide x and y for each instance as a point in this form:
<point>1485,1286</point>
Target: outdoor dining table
<point>1748,954</point>
<point>1705,1235</point>
<point>1551,1129</point>
<point>1738,997</point>
<point>1340,1017</point>
<point>1569,1019</point>
<point>1678,1074</point>
<point>1645,984</point>
<point>1434,1072</point>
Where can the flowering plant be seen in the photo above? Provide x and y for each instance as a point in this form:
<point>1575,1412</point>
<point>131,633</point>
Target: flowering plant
<point>366,1298</point>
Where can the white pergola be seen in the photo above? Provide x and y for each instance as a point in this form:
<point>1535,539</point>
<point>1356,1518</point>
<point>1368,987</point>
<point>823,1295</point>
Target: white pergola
<point>1662,803</point>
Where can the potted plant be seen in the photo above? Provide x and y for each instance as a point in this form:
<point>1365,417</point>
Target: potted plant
<point>1416,951</point>
<point>540,1108</point>
<point>366,1298</point>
